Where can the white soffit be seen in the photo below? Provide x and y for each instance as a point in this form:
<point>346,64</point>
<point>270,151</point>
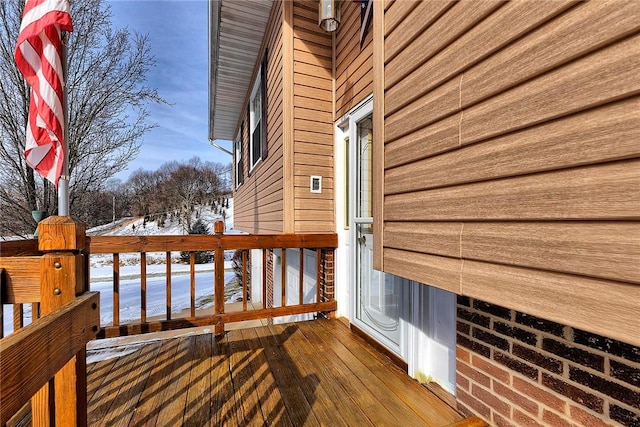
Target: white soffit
<point>236,31</point>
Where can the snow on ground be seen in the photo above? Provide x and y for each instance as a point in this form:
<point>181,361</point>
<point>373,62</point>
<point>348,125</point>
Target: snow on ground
<point>130,296</point>
<point>136,226</point>
<point>101,273</point>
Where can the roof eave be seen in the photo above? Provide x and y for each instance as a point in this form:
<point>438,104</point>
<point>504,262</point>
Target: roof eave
<point>236,32</point>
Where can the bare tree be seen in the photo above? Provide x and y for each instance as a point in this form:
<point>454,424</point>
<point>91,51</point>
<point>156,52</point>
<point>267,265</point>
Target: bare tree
<point>188,187</point>
<point>107,102</point>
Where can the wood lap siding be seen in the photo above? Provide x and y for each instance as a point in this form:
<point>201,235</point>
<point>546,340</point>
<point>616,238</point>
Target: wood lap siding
<point>512,155</point>
<point>259,200</point>
<point>312,120</point>
<point>354,78</point>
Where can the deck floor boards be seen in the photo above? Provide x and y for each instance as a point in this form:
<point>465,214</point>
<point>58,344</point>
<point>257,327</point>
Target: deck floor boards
<point>302,374</point>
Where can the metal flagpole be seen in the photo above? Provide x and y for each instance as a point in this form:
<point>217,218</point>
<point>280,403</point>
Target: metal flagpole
<point>63,182</point>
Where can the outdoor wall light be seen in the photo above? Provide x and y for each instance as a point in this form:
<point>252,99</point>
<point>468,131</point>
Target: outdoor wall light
<point>329,15</point>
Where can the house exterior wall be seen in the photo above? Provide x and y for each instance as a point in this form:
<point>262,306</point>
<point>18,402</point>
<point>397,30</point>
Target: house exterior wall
<point>511,155</point>
<point>312,152</point>
<point>354,64</point>
<point>511,170</point>
<point>303,102</point>
<point>258,201</point>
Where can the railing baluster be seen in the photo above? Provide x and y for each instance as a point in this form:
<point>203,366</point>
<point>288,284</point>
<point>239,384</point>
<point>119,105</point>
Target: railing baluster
<point>116,289</point>
<point>1,318</point>
<point>192,267</point>
<point>301,279</point>
<point>18,319</point>
<point>168,261</point>
<point>318,275</point>
<point>283,298</point>
<point>35,311</point>
<point>143,287</point>
<point>244,281</point>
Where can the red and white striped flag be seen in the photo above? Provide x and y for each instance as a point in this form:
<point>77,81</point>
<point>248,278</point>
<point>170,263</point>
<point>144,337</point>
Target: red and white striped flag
<point>39,58</point>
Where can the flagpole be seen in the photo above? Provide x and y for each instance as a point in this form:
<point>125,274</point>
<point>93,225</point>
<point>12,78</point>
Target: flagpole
<point>63,182</point>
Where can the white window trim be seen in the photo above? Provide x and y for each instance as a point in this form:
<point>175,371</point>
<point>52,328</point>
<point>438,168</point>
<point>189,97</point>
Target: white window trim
<point>256,91</point>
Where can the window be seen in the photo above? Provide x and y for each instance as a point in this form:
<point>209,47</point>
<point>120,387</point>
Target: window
<point>257,119</point>
<point>255,123</point>
<point>238,160</point>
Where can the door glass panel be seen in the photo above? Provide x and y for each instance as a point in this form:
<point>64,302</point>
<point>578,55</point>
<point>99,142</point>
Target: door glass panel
<point>364,142</point>
<point>378,293</point>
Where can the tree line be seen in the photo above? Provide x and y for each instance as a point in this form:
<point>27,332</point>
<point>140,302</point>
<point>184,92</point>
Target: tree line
<point>176,188</point>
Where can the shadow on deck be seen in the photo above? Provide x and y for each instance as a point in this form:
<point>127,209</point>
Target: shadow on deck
<point>307,373</point>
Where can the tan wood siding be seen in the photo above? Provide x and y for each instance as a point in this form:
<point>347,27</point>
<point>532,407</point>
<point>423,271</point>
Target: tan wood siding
<point>512,155</point>
<point>354,77</point>
<point>258,202</point>
<point>605,307</point>
<point>576,140</point>
<point>607,250</point>
<point>312,120</point>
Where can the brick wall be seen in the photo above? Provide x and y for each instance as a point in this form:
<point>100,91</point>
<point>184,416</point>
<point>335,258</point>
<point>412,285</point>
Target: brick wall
<point>327,276</point>
<point>268,287</point>
<point>514,369</point>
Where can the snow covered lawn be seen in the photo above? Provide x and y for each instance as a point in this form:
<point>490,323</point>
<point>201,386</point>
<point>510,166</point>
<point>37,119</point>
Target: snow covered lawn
<point>101,273</point>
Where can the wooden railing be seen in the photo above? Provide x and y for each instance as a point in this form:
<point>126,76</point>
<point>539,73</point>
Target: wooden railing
<point>271,246</point>
<point>51,277</point>
<point>30,358</point>
<point>45,362</point>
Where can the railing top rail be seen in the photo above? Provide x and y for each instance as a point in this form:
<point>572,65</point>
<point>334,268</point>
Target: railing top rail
<point>10,248</point>
<point>173,243</point>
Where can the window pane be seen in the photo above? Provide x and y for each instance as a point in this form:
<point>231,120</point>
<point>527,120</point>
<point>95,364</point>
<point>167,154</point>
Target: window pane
<point>256,150</point>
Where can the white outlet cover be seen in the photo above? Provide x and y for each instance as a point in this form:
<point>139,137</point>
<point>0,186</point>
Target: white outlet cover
<point>315,184</point>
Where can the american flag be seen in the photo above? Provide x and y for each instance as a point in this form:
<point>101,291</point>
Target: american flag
<point>39,58</point>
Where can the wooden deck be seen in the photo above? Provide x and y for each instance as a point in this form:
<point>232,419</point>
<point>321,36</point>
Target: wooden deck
<point>307,373</point>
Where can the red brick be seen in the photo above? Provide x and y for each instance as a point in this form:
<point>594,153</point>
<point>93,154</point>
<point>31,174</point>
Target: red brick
<point>462,382</point>
<point>556,420</point>
<point>578,395</point>
<point>478,407</point>
<point>463,354</point>
<point>540,395</point>
<point>516,398</point>
<point>491,400</point>
<point>500,421</point>
<point>516,365</point>
<point>491,369</point>
<point>585,418</point>
<point>523,420</point>
<point>473,374</point>
<point>610,388</point>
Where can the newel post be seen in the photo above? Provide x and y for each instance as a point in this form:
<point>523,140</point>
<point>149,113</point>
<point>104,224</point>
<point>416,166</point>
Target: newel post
<point>62,278</point>
<point>218,268</point>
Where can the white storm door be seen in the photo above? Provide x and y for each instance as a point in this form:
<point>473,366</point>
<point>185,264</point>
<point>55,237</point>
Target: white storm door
<point>378,296</point>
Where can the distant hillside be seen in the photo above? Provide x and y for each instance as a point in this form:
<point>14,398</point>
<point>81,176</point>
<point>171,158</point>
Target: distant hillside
<point>137,226</point>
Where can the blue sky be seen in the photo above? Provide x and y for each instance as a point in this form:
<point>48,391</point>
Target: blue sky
<point>177,33</point>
